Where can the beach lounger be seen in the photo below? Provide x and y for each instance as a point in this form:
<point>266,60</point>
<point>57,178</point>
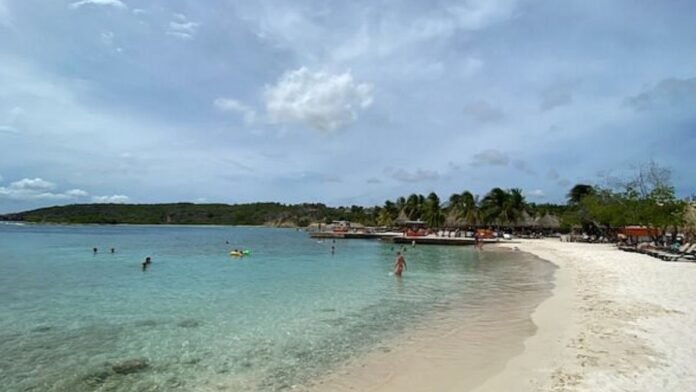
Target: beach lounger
<point>684,252</point>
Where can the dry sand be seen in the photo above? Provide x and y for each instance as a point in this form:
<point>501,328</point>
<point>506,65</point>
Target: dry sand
<point>616,321</point>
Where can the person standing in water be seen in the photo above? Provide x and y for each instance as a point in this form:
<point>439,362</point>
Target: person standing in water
<point>399,265</point>
<point>95,250</point>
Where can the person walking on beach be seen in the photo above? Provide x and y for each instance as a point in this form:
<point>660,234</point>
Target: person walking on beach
<point>399,265</point>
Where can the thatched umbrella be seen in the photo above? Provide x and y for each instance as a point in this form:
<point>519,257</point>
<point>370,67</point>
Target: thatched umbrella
<point>548,221</point>
<point>525,220</point>
<point>402,218</point>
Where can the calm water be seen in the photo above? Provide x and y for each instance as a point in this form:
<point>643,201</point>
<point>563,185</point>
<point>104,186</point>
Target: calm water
<point>202,320</point>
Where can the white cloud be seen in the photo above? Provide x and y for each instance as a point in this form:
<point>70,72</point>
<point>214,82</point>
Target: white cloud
<point>537,194</point>
<point>112,3</point>
<point>36,189</point>
<point>419,175</point>
<point>322,101</point>
<point>182,27</point>
<point>180,34</point>
<point>113,199</point>
<point>490,157</point>
<point>77,193</point>
<point>232,105</point>
<point>33,184</point>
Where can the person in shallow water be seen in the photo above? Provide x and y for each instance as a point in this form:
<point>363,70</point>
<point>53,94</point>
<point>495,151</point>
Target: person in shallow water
<point>147,262</point>
<point>95,250</point>
<point>400,264</point>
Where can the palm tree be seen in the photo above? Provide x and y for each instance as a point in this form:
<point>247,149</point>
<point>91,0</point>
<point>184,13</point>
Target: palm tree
<point>464,206</point>
<point>385,218</point>
<point>412,207</point>
<point>517,205</point>
<point>432,212</point>
<point>494,205</point>
<point>579,192</point>
<point>400,204</point>
<point>502,207</point>
<point>469,210</point>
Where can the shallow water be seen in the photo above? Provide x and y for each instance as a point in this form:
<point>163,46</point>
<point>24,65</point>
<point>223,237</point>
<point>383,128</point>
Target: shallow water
<point>198,319</point>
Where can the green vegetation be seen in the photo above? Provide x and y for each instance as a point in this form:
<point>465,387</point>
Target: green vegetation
<point>498,208</point>
<point>646,199</point>
<point>275,214</point>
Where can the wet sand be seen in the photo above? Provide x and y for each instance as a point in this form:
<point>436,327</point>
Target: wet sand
<point>616,321</point>
<point>456,348</point>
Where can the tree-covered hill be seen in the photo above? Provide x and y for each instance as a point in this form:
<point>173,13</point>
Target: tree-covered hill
<point>186,213</point>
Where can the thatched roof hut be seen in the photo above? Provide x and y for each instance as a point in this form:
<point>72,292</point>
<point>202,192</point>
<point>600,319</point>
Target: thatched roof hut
<point>525,220</point>
<point>402,218</point>
<point>548,221</point>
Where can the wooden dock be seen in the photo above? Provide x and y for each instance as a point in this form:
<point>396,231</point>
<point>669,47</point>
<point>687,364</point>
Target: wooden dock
<point>428,240</point>
<point>351,235</point>
<point>398,238</point>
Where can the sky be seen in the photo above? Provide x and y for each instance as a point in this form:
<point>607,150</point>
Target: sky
<point>357,102</point>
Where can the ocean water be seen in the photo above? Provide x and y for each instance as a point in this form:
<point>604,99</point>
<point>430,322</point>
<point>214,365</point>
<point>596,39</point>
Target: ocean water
<point>200,320</point>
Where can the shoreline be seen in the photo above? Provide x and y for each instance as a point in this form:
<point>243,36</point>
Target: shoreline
<point>456,348</point>
<point>616,321</point>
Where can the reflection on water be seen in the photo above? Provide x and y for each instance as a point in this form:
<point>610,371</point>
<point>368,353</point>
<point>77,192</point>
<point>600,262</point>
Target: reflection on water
<point>198,319</point>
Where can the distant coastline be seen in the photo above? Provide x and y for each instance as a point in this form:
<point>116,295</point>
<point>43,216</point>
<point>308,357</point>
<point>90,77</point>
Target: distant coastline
<point>252,214</point>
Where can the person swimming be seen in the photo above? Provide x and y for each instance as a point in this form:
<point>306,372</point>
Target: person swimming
<point>147,262</point>
<point>399,265</point>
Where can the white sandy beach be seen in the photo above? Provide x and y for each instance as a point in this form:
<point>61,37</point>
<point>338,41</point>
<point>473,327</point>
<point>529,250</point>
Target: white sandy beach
<point>616,321</point>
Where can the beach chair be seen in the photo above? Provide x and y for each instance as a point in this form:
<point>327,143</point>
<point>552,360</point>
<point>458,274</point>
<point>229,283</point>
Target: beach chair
<point>684,252</point>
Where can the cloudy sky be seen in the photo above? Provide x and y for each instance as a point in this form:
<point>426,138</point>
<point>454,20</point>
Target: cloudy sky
<point>342,102</point>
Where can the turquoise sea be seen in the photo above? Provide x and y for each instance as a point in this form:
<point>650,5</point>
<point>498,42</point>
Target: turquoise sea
<point>200,320</point>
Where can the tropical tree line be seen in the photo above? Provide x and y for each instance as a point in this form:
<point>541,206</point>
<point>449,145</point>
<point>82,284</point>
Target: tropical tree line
<point>646,198</point>
<point>499,207</point>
